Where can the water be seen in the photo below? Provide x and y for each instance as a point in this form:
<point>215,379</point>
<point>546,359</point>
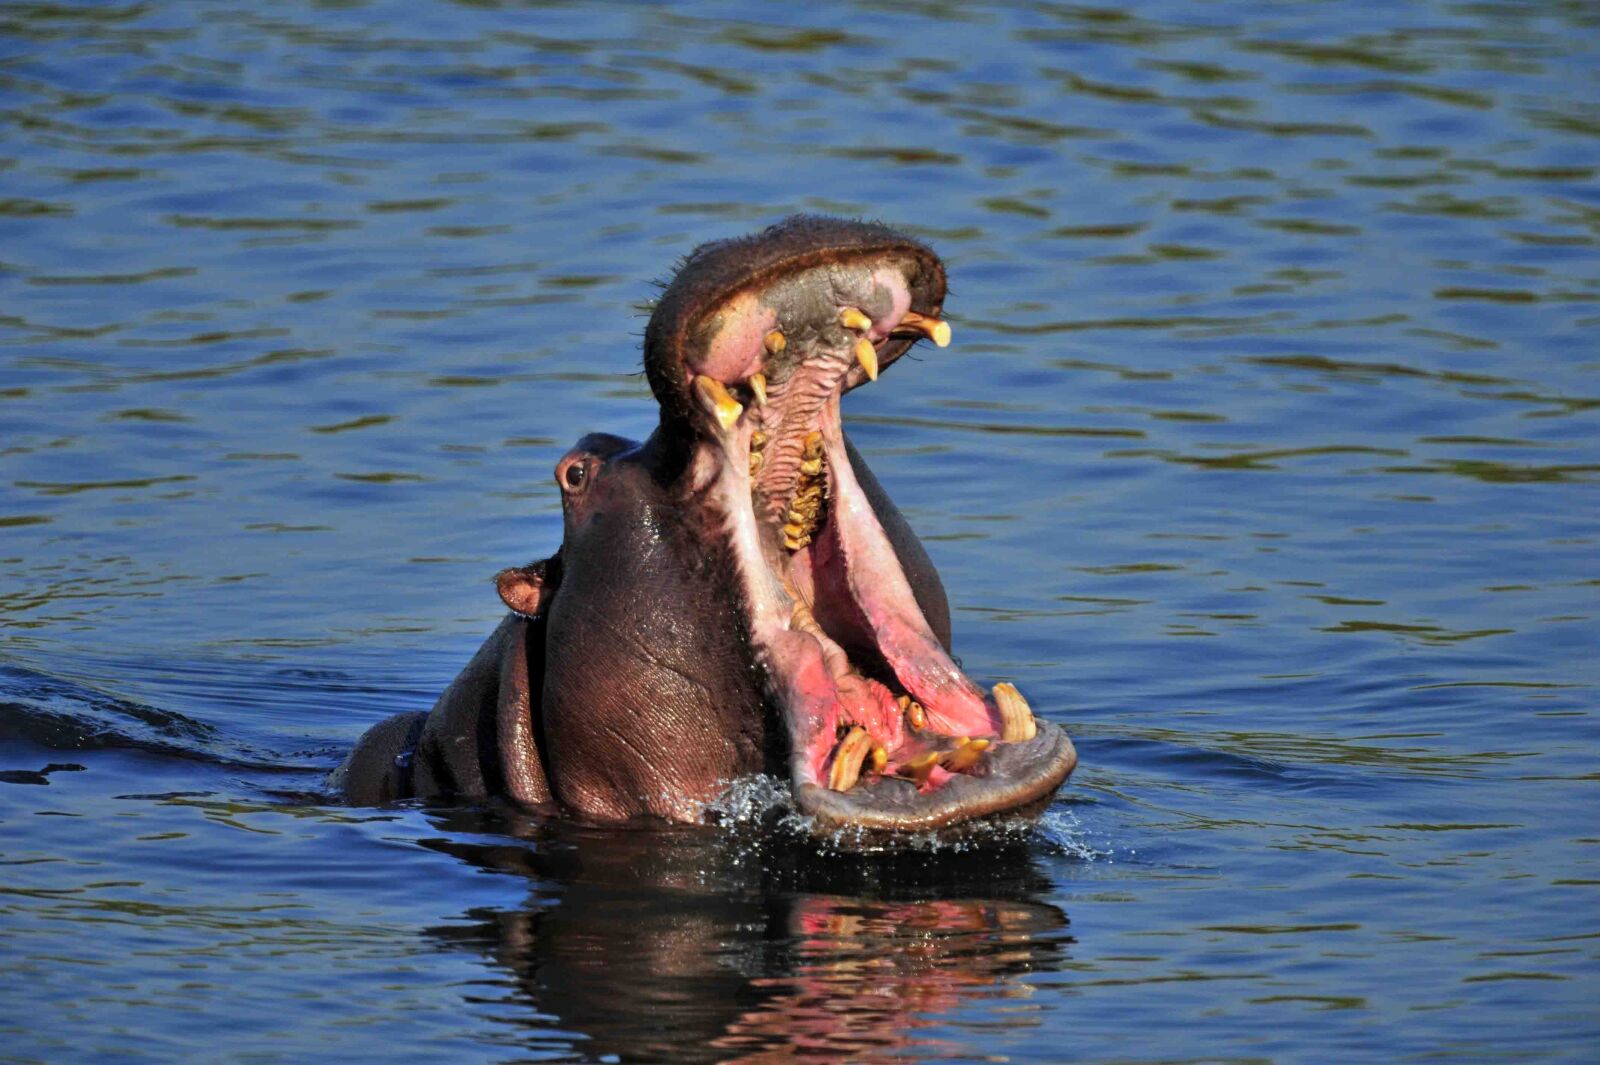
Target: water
<point>1265,460</point>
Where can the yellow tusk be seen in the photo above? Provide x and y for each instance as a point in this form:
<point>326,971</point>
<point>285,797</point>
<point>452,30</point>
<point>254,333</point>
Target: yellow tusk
<point>774,342</point>
<point>867,356</point>
<point>758,388</point>
<point>714,396</point>
<point>1016,717</point>
<point>933,328</point>
<point>851,318</point>
<point>847,760</point>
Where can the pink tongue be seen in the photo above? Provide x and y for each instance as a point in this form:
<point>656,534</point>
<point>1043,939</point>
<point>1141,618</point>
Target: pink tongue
<point>880,590</point>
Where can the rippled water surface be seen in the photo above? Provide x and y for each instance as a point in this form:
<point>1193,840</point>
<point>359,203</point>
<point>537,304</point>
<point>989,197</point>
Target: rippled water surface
<point>1265,461</point>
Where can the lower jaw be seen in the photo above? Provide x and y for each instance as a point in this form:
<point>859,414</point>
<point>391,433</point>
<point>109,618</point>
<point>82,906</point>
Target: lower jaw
<point>1019,781</point>
<point>936,751</point>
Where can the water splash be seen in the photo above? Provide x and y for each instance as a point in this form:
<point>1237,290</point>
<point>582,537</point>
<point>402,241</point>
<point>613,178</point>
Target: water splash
<point>765,804</point>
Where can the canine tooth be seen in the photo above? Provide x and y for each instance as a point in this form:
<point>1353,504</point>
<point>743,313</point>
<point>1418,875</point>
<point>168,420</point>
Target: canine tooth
<point>920,768</point>
<point>926,324</point>
<point>774,342</point>
<point>852,318</point>
<point>965,755</point>
<point>867,356</point>
<point>714,395</point>
<point>847,759</point>
<point>758,388</point>
<point>1016,716</point>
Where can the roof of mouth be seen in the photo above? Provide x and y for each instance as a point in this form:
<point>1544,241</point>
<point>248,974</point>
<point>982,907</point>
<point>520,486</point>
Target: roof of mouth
<point>715,272</point>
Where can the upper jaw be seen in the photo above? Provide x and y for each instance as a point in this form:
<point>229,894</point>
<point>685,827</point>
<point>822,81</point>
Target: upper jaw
<point>885,731</point>
<point>722,283</point>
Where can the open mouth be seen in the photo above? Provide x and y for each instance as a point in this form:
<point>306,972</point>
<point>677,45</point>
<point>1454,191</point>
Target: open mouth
<point>884,729</point>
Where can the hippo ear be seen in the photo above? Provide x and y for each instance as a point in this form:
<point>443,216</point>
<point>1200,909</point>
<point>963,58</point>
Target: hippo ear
<point>527,590</point>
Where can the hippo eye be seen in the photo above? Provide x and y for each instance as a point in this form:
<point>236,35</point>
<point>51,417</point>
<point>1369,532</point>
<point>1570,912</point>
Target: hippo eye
<point>575,475</point>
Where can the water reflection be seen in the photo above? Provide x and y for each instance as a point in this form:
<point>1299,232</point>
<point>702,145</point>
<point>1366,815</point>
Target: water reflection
<point>757,949</point>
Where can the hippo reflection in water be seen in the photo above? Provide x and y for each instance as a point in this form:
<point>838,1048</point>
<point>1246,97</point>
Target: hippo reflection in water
<point>742,947</point>
<point>737,594</point>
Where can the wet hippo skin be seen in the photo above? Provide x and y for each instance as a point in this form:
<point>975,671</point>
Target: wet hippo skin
<point>736,594</point>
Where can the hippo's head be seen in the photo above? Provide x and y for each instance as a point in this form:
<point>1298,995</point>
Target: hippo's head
<point>748,352</point>
<point>737,594</point>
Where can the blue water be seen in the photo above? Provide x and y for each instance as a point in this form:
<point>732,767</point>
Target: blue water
<point>1265,460</point>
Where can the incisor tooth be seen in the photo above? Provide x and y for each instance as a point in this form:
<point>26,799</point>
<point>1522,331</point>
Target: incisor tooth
<point>853,750</point>
<point>714,396</point>
<point>1016,716</point>
<point>880,758</point>
<point>920,768</point>
<point>851,318</point>
<point>774,342</point>
<point>867,356</point>
<point>965,756</point>
<point>758,388</point>
<point>916,715</point>
<point>933,328</point>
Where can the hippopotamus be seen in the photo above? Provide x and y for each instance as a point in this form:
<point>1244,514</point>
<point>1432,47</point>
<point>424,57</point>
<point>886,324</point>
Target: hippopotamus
<point>737,594</point>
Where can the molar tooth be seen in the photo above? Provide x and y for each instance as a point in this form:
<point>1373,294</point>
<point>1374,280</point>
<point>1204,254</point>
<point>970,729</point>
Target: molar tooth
<point>1016,716</point>
<point>853,318</point>
<point>867,356</point>
<point>813,444</point>
<point>853,750</point>
<point>811,467</point>
<point>758,388</point>
<point>714,396</point>
<point>927,325</point>
<point>774,342</point>
<point>758,440</point>
<point>756,459</point>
